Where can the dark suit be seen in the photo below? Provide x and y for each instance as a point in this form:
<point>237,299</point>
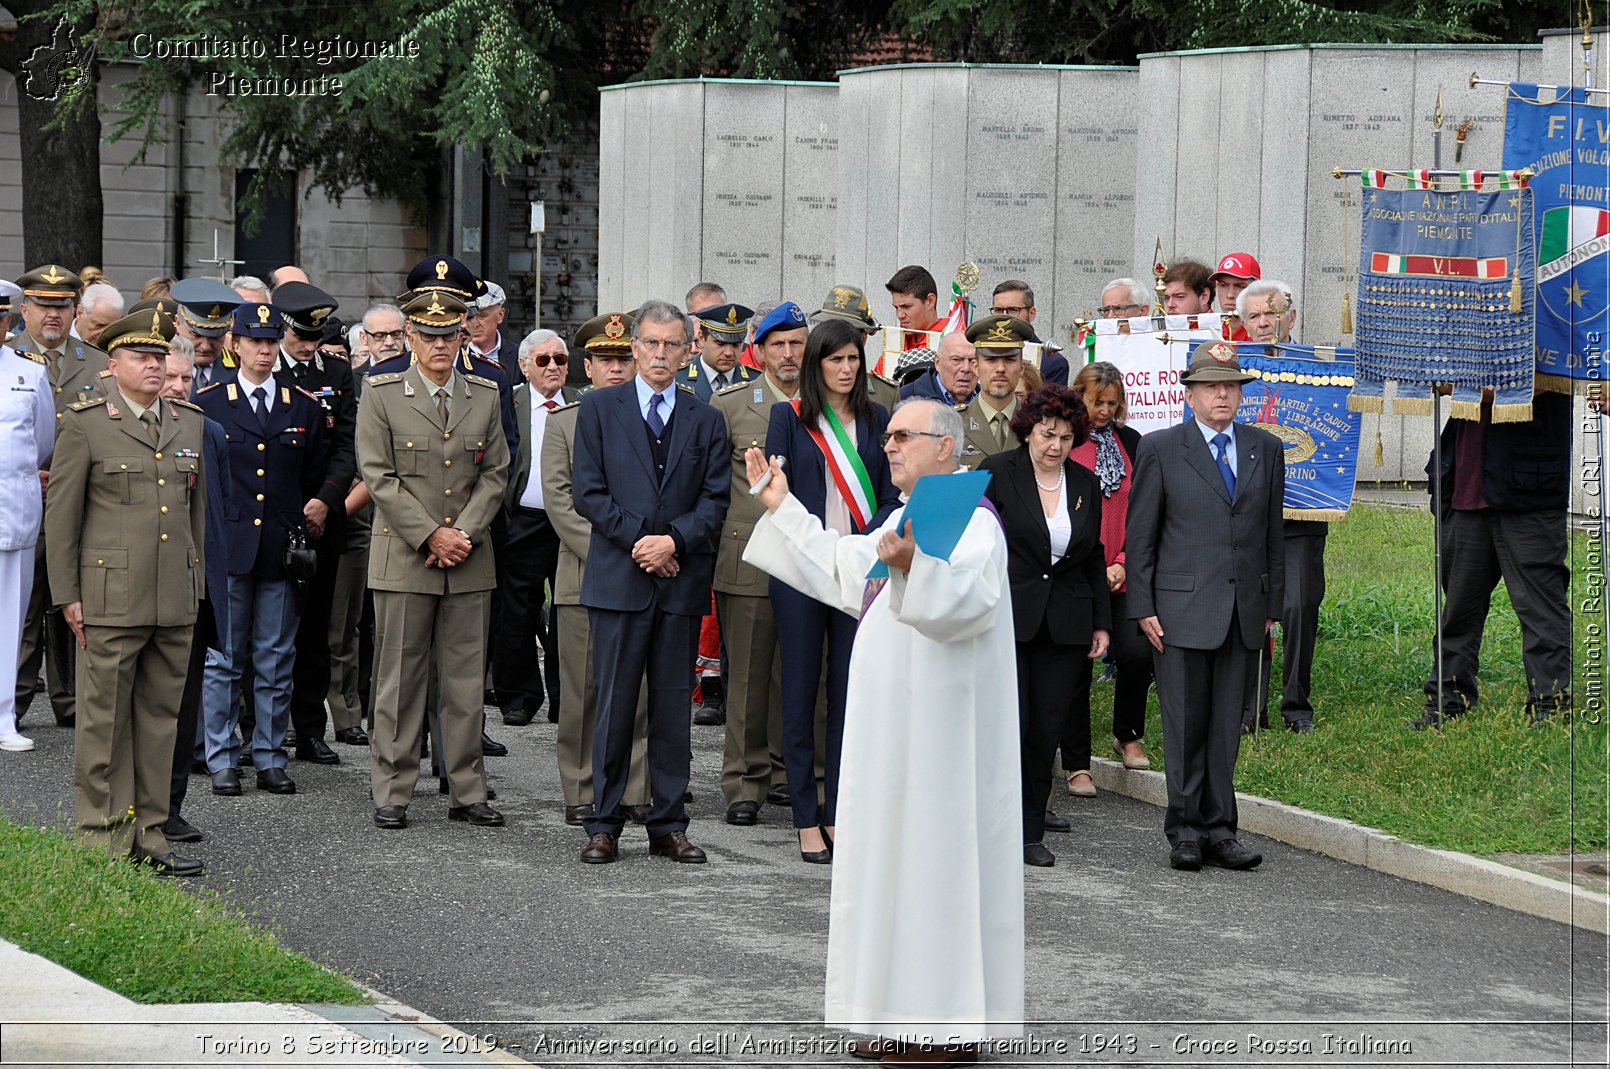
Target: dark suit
<point>694,378</point>
<point>803,622</point>
<point>526,566</point>
<point>928,386</point>
<point>1053,368</point>
<point>628,484</point>
<point>1213,572</point>
<point>1056,608</point>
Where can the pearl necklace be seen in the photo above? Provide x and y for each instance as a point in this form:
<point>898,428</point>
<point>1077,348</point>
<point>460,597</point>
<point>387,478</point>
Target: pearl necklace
<point>1062,479</point>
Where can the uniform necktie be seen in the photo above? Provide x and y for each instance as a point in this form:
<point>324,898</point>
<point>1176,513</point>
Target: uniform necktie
<point>441,406</point>
<point>152,431</point>
<point>202,375</point>
<point>1222,442</point>
<point>655,422</point>
<point>719,382</point>
<point>997,423</point>
<point>260,405</point>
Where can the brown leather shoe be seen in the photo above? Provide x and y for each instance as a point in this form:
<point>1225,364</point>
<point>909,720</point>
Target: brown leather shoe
<point>675,846</point>
<point>577,814</point>
<point>601,849</point>
<point>966,1054</point>
<point>873,1049</point>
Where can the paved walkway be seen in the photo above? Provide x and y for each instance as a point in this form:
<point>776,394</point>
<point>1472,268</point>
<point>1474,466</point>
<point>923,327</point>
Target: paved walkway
<point>503,932</point>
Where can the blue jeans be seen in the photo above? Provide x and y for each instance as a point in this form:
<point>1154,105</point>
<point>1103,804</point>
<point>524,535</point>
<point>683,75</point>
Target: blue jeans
<point>262,631</point>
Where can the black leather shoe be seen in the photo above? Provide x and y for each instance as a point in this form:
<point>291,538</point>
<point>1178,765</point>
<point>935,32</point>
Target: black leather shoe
<point>1229,854</point>
<point>637,814</point>
<point>816,857</point>
<point>226,781</point>
<point>778,795</point>
<point>1186,855</point>
<point>490,748</point>
<point>601,849</point>
<point>1300,727</point>
<point>478,813</point>
<point>176,829</point>
<point>275,781</point>
<point>171,864</point>
<point>743,814</point>
<point>198,768</point>
<point>317,751</point>
<point>675,846</point>
<point>576,815</point>
<point>70,720</point>
<point>517,717</point>
<point>243,759</point>
<point>391,816</point>
<point>443,788</point>
<point>1037,855</point>
<point>352,737</point>
<point>710,714</point>
<point>1056,823</point>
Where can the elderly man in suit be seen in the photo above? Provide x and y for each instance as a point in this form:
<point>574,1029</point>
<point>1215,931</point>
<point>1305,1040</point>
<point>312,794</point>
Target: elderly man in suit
<point>125,521</point>
<point>954,377</point>
<point>436,463</point>
<point>652,477</point>
<point>531,552</point>
<point>1206,577</point>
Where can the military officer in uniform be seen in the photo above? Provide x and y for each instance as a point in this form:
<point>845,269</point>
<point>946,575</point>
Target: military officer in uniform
<point>28,434</point>
<point>205,308</point>
<point>437,466</point>
<point>124,518</point>
<point>987,418</point>
<point>721,329</point>
<point>49,294</point>
<point>275,434</point>
<point>848,303</point>
<point>605,342</point>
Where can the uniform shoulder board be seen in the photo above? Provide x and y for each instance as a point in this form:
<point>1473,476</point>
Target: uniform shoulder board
<point>381,380</point>
<point>186,404</point>
<point>685,388</point>
<point>35,357</point>
<point>738,387</point>
<point>106,374</point>
<point>481,380</point>
<point>208,388</point>
<point>306,393</point>
<point>567,408</point>
<point>88,402</point>
<point>886,380</point>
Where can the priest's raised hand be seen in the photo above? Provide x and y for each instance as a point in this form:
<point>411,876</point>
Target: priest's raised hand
<point>775,490</point>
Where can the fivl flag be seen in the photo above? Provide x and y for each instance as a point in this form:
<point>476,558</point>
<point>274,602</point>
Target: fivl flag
<point>1566,143</point>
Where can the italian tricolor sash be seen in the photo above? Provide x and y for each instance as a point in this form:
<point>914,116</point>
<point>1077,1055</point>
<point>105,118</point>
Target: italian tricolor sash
<point>843,465</point>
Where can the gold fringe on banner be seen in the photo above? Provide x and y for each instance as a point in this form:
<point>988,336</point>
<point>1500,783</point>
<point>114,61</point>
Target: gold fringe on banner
<point>1559,384</point>
<point>1330,515</point>
<point>1360,403</point>
<point>1412,406</point>
<point>1347,314</point>
<point>1510,413</point>
<point>1470,410</point>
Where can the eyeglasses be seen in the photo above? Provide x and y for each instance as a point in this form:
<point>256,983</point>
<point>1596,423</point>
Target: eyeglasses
<point>660,346</point>
<point>384,335</point>
<point>1002,310</point>
<point>544,359</point>
<point>904,437</point>
<point>1110,311</point>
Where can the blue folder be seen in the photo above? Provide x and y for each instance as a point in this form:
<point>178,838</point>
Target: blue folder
<point>940,508</point>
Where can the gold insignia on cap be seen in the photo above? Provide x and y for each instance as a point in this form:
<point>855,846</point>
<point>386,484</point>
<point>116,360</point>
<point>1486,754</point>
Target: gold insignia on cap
<point>732,315</point>
<point>318,315</point>
<point>615,329</point>
<point>435,308</point>
<point>217,310</point>
<point>156,322</point>
<point>842,297</point>
<point>54,276</point>
<point>263,312</point>
<point>1222,353</point>
<point>1001,331</point>
<point>441,270</point>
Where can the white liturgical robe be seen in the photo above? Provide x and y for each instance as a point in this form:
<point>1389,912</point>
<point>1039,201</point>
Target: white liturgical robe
<point>925,937</point>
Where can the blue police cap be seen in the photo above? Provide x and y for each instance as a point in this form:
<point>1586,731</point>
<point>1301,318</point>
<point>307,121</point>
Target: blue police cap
<point>785,316</point>
<point>254,320</point>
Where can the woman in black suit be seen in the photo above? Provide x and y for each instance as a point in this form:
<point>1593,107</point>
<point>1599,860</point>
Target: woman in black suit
<point>1050,509</point>
<point>831,439</point>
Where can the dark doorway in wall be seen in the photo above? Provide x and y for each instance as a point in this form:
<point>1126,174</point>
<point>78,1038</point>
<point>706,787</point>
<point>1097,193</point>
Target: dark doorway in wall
<point>274,243</point>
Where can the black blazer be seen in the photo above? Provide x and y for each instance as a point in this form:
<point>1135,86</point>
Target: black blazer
<point>1071,595</point>
<point>807,468</point>
<point>1525,467</point>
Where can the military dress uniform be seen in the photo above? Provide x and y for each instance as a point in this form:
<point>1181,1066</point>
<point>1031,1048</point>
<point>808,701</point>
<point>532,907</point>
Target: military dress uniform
<point>74,368</point>
<point>27,438</point>
<point>727,323</point>
<point>986,431</point>
<point>426,473</point>
<point>125,518</point>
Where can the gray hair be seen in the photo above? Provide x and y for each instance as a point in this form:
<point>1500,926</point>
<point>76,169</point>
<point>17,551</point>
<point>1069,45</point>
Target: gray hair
<point>942,420</point>
<point>1138,294</point>
<point>352,336</point>
<point>183,348</point>
<point>382,307</point>
<point>248,282</point>
<point>1261,288</point>
<point>99,293</point>
<point>655,310</point>
<point>540,336</point>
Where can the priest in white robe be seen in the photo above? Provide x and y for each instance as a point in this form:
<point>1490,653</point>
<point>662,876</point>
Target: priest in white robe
<point>925,938</point>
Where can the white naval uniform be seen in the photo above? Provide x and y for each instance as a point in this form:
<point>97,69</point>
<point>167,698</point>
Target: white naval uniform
<point>27,437</point>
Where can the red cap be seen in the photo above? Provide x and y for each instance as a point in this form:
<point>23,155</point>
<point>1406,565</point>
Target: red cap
<point>1238,265</point>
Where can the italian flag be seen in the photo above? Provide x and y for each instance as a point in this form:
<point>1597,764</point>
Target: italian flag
<point>1373,179</point>
<point>1510,180</point>
<point>1471,179</point>
<point>1566,227</point>
<point>1420,179</point>
<point>955,319</point>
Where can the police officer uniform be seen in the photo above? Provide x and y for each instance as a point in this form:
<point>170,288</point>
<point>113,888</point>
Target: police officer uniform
<point>578,695</point>
<point>433,458</point>
<point>205,308</point>
<point>27,438</point>
<point>275,435</point>
<point>985,430</point>
<point>727,323</point>
<point>124,518</point>
<point>73,366</point>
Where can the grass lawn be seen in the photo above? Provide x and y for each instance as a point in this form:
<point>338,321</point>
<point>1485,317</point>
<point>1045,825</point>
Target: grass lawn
<point>146,938</point>
<point>1488,783</point>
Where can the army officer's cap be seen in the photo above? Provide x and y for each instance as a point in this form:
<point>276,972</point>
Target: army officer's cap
<point>848,303</point>
<point>999,333</point>
<point>609,334</point>
<point>726,322</point>
<point>150,331</point>
<point>205,305</point>
<point>52,284</point>
<point>435,312</point>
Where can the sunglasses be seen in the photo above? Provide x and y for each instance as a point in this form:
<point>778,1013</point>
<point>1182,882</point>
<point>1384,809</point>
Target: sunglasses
<point>903,437</point>
<point>544,359</point>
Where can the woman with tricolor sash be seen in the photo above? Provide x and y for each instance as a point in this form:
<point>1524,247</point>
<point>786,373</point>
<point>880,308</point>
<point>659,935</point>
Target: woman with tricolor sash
<point>830,437</point>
